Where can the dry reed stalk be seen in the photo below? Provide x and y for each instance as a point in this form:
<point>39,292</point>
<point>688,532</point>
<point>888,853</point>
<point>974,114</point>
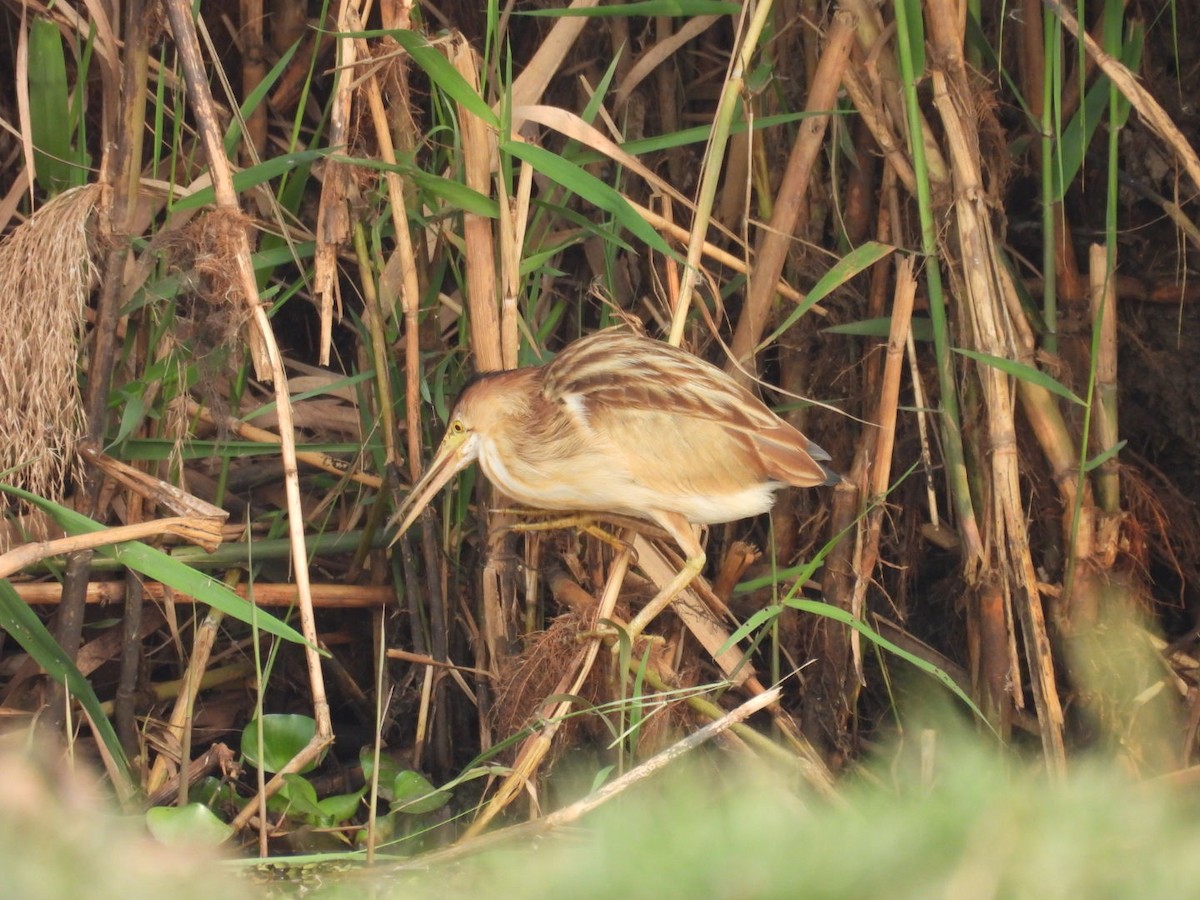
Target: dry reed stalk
<point>205,532</point>
<point>880,458</point>
<point>772,248</point>
<point>750,27</point>
<point>268,363</point>
<point>875,117</point>
<point>405,252</point>
<point>480,155</point>
<point>333,213</point>
<point>881,65</point>
<point>178,726</point>
<point>46,267</point>
<point>667,44</point>
<point>266,594</point>
<point>660,567</point>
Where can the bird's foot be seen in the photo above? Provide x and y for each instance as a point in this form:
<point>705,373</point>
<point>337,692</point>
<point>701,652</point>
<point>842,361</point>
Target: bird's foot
<point>580,522</point>
<point>676,586</point>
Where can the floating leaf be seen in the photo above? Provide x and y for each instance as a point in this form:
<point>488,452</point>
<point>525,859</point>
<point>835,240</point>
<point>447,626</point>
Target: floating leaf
<point>414,794</point>
<point>187,825</point>
<point>284,736</point>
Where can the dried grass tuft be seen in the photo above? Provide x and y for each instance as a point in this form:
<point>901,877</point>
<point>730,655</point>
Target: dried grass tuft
<point>46,268</point>
<point>530,678</point>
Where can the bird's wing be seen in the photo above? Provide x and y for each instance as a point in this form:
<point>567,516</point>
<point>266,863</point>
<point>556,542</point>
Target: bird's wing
<point>616,368</point>
<point>614,378</point>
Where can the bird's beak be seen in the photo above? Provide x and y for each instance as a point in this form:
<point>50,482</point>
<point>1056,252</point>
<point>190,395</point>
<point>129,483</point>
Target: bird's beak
<point>456,452</point>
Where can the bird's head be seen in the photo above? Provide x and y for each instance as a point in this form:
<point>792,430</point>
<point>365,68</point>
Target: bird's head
<point>488,404</point>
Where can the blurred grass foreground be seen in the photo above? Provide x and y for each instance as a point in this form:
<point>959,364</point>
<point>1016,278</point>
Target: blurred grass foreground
<point>936,817</point>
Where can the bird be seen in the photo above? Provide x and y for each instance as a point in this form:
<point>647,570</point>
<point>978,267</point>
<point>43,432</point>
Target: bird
<point>621,423</point>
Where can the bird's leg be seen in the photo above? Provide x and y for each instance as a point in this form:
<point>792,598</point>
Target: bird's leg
<point>680,529</point>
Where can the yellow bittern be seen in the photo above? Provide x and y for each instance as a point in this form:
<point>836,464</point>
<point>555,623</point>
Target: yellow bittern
<point>624,424</point>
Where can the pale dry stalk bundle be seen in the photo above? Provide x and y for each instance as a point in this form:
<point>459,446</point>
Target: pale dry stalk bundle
<point>46,268</point>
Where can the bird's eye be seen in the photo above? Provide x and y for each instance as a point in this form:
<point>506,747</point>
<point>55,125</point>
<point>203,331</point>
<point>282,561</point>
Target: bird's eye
<point>456,427</point>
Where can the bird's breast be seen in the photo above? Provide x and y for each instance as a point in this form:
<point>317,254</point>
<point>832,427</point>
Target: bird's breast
<point>568,483</point>
<point>600,483</point>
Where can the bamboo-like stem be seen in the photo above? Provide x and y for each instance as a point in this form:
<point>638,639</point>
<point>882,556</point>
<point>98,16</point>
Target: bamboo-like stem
<point>880,463</point>
<point>478,160</point>
<point>983,305</point>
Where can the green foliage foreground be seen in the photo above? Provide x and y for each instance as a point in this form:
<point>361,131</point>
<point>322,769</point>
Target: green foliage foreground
<point>958,821</point>
<point>975,829</point>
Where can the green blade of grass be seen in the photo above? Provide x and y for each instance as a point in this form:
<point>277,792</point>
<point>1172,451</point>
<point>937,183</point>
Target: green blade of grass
<point>837,614</point>
<point>589,188</point>
<point>854,262</point>
<point>48,107</point>
<point>253,176</point>
<point>440,71</point>
<point>1023,372</point>
<point>881,328</point>
<point>23,625</point>
<point>159,566</point>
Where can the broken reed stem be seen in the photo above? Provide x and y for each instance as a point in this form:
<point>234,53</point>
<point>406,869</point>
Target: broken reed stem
<point>877,45</point>
<point>178,724</point>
